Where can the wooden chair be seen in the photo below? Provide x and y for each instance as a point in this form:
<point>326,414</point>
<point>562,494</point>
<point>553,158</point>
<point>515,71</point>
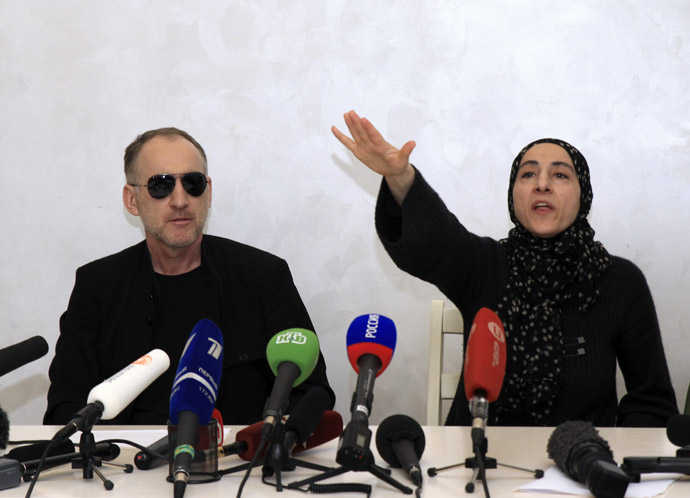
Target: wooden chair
<point>441,386</point>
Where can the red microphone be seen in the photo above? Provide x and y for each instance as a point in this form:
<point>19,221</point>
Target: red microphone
<point>485,365</point>
<point>330,427</point>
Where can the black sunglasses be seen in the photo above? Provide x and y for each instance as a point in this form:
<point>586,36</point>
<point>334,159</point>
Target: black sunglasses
<point>160,186</point>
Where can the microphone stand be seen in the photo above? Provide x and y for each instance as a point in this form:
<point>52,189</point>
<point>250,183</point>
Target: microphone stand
<point>480,463</point>
<point>680,464</point>
<point>276,459</point>
<point>353,452</point>
<point>354,455</point>
<point>368,465</point>
<point>89,462</point>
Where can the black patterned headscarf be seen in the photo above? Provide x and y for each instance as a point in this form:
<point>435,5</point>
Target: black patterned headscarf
<point>544,273</point>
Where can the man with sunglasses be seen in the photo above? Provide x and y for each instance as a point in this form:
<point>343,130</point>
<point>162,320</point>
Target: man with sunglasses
<point>152,294</point>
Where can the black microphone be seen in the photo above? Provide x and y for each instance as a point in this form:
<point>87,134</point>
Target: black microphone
<point>4,429</point>
<point>580,452</point>
<point>17,464</point>
<point>299,426</point>
<point>13,464</point>
<point>18,355</point>
<point>305,417</point>
<point>678,430</point>
<point>104,450</point>
<point>678,433</point>
<point>144,460</point>
<point>34,451</point>
<point>400,441</point>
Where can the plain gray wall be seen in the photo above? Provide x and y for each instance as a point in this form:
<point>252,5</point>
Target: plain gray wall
<point>260,83</point>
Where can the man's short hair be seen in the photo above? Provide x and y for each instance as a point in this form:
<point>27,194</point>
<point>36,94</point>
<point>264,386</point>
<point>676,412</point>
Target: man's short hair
<point>132,151</point>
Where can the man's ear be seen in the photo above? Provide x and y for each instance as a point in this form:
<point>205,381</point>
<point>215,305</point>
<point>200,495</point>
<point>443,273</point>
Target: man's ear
<point>129,200</point>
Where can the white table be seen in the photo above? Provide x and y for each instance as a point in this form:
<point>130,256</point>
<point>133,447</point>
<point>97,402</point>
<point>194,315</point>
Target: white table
<point>523,447</point>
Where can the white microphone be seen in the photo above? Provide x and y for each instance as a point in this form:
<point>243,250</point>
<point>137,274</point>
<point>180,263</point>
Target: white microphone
<point>110,397</point>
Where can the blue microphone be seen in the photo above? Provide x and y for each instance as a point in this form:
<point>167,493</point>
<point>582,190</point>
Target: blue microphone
<point>370,346</point>
<point>194,394</point>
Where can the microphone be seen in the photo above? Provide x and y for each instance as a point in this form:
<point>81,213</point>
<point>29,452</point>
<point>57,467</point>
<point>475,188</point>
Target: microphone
<point>292,355</point>
<point>144,460</point>
<point>110,397</point>
<point>305,417</point>
<point>400,441</point>
<point>18,355</point>
<point>156,454</point>
<point>580,452</point>
<point>329,428</point>
<point>34,451</point>
<point>13,464</point>
<point>298,427</point>
<point>194,394</point>
<point>247,440</point>
<point>678,433</point>
<point>485,367</point>
<point>4,429</point>
<point>678,430</point>
<point>23,460</point>
<point>106,451</point>
<point>370,346</point>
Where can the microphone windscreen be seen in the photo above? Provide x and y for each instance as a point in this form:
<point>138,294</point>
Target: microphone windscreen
<point>17,355</point>
<point>307,413</point>
<point>4,429</point>
<point>570,435</point>
<point>119,390</point>
<point>485,356</point>
<point>371,334</point>
<point>298,346</point>
<point>196,383</point>
<point>678,430</point>
<point>394,429</point>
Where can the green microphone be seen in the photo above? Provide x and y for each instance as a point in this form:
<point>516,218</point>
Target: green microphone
<point>292,355</point>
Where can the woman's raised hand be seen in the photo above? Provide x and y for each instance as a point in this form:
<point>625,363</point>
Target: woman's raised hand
<point>369,146</point>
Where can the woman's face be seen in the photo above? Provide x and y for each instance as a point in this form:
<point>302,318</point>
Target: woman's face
<point>546,192</point>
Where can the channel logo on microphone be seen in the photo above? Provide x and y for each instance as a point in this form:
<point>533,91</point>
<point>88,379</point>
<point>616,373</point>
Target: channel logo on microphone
<point>291,337</point>
<point>371,334</point>
<point>215,349</point>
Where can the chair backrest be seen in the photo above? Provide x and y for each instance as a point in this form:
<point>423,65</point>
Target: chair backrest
<point>444,320</point>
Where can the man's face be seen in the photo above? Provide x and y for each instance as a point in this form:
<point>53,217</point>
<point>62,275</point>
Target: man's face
<point>177,220</point>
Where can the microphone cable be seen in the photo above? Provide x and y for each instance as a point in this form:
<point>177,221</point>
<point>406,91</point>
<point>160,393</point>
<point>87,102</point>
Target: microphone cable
<point>258,451</point>
<point>41,463</point>
<point>341,487</point>
<point>480,465</point>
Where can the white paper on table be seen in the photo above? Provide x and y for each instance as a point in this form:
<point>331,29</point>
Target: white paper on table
<point>555,481</point>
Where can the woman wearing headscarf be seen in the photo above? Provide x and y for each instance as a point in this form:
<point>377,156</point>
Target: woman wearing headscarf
<point>570,309</point>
